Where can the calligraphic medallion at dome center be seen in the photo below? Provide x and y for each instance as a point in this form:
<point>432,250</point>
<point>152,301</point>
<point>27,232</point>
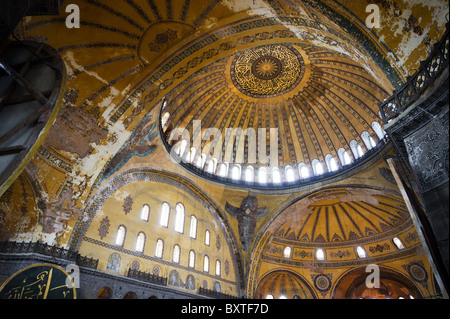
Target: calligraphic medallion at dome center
<point>267,71</point>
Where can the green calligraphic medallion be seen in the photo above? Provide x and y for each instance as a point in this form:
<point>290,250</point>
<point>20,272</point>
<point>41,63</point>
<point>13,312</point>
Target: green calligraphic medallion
<point>39,281</point>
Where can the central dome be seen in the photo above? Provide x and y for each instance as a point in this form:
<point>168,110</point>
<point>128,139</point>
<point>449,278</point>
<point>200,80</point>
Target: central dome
<point>309,109</point>
<point>267,71</point>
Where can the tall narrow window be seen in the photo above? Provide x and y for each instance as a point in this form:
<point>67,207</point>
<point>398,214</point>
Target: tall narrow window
<point>206,263</point>
<point>303,170</point>
<point>176,254</point>
<point>344,157</point>
<point>320,254</point>
<point>361,252</point>
<point>331,163</point>
<point>159,248</point>
<point>236,172</point>
<point>378,130</point>
<point>262,175</point>
<point>179,218</point>
<point>276,176</point>
<point>249,175</point>
<point>120,236</point>
<point>193,228</point>
<point>165,119</point>
<point>290,175</point>
<point>223,170</point>
<point>164,221</point>
<point>368,140</point>
<point>207,237</point>
<point>317,167</point>
<point>398,243</point>
<point>287,252</point>
<point>356,149</point>
<point>140,242</point>
<point>145,212</point>
<point>192,259</point>
<point>217,267</point>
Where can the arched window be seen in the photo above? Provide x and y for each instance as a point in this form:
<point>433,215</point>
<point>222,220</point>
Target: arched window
<point>180,151</point>
<point>159,248</point>
<point>176,254</point>
<point>344,157</point>
<point>276,176</point>
<point>206,263</point>
<point>120,236</point>
<point>368,140</point>
<point>249,174</point>
<point>165,119</point>
<point>303,171</point>
<point>164,221</point>
<point>145,212</point>
<point>320,254</point>
<point>179,218</point>
<point>192,259</point>
<point>236,172</point>
<point>331,163</point>
<point>269,296</point>
<point>207,237</point>
<point>398,243</point>
<point>218,271</point>
<point>290,175</point>
<point>287,252</point>
<point>193,228</point>
<point>211,165</point>
<point>317,167</point>
<point>356,149</point>
<point>361,252</point>
<point>378,129</point>
<point>262,175</point>
<point>140,242</point>
<point>192,154</point>
<point>223,170</point>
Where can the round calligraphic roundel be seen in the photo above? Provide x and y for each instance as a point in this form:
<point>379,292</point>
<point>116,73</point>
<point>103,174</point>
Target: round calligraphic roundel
<point>417,272</point>
<point>39,281</point>
<point>267,71</point>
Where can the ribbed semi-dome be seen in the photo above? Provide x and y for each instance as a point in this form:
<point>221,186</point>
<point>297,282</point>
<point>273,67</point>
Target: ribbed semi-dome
<point>323,103</point>
<point>283,285</point>
<point>341,216</point>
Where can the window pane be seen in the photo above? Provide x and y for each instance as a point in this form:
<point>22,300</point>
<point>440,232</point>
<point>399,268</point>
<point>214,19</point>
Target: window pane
<point>262,175</point>
<point>235,172</point>
<point>276,176</point>
<point>319,168</point>
<point>159,248</point>
<point>361,252</point>
<point>304,171</point>
<point>145,212</point>
<point>193,228</point>
<point>217,267</point>
<point>249,174</point>
<point>398,243</point>
<point>320,254</point>
<point>287,252</point>
<point>165,215</point>
<point>140,242</point>
<point>176,254</point>
<point>290,176</point>
<point>207,235</point>
<point>333,164</point>
<point>179,218</point>
<point>192,259</point>
<point>120,237</point>
<point>206,264</point>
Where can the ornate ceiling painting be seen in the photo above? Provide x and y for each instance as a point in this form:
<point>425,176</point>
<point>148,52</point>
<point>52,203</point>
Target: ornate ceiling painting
<point>311,69</point>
